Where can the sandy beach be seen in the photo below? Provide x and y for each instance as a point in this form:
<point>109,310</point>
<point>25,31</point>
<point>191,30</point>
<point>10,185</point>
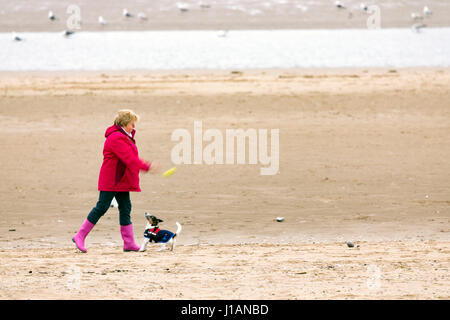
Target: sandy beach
<point>398,270</point>
<point>363,158</point>
<point>23,15</point>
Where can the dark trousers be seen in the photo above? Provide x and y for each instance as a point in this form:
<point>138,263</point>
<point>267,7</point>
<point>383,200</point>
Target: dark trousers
<point>104,202</point>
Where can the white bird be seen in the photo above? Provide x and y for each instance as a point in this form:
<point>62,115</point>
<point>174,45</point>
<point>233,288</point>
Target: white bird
<point>416,16</point>
<point>68,33</point>
<point>142,16</point>
<point>301,7</point>
<point>427,11</point>
<point>339,5</point>
<point>183,7</point>
<point>364,7</point>
<point>255,12</point>
<point>126,13</point>
<point>101,21</point>
<point>418,26</point>
<point>222,33</point>
<point>51,16</point>
<point>16,37</point>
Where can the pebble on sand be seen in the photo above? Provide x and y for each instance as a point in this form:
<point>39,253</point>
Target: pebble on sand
<point>350,244</point>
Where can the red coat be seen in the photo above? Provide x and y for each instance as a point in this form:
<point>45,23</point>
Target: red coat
<point>121,162</point>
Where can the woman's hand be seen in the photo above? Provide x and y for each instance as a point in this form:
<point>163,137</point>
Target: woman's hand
<point>155,167</point>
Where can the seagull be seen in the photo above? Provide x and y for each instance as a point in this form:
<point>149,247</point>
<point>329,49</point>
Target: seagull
<point>255,12</point>
<point>142,16</point>
<point>182,6</point>
<point>427,11</point>
<point>67,33</point>
<point>416,27</point>
<point>16,37</point>
<point>339,5</point>
<point>126,13</point>
<point>364,7</point>
<point>302,7</point>
<point>416,16</point>
<point>51,16</point>
<point>101,21</point>
<point>222,33</point>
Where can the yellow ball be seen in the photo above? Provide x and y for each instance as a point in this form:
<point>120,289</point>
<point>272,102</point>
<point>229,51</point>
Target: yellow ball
<point>170,172</point>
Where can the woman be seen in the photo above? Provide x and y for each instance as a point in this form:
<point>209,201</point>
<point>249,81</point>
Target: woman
<point>119,175</point>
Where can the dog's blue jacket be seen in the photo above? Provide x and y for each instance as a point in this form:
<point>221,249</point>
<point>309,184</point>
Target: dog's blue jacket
<point>157,235</point>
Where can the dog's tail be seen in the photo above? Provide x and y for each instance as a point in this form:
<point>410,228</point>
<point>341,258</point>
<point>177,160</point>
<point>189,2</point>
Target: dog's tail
<point>178,229</point>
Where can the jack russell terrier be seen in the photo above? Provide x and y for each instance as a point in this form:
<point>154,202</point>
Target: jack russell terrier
<point>154,234</point>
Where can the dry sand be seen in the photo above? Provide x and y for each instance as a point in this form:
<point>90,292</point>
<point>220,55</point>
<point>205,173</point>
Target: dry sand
<point>363,157</point>
<point>24,15</point>
<point>398,270</point>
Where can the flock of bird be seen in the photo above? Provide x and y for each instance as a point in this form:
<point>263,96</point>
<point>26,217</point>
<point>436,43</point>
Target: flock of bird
<point>184,7</point>
<point>417,18</point>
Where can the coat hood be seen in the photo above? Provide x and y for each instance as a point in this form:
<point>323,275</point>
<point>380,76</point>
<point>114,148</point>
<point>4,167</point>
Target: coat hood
<point>115,128</point>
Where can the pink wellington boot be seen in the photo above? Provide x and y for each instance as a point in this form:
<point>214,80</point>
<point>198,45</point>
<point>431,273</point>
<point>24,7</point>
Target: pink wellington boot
<point>78,239</point>
<point>128,238</point>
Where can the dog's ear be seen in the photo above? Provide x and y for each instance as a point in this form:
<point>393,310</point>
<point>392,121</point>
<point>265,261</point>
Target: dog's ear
<point>159,220</point>
<point>154,220</point>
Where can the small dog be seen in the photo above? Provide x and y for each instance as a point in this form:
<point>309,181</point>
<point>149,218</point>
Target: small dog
<point>153,233</point>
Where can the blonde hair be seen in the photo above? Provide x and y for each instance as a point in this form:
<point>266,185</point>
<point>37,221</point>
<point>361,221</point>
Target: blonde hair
<point>124,117</point>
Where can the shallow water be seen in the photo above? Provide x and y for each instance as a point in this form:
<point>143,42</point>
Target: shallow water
<point>125,50</point>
